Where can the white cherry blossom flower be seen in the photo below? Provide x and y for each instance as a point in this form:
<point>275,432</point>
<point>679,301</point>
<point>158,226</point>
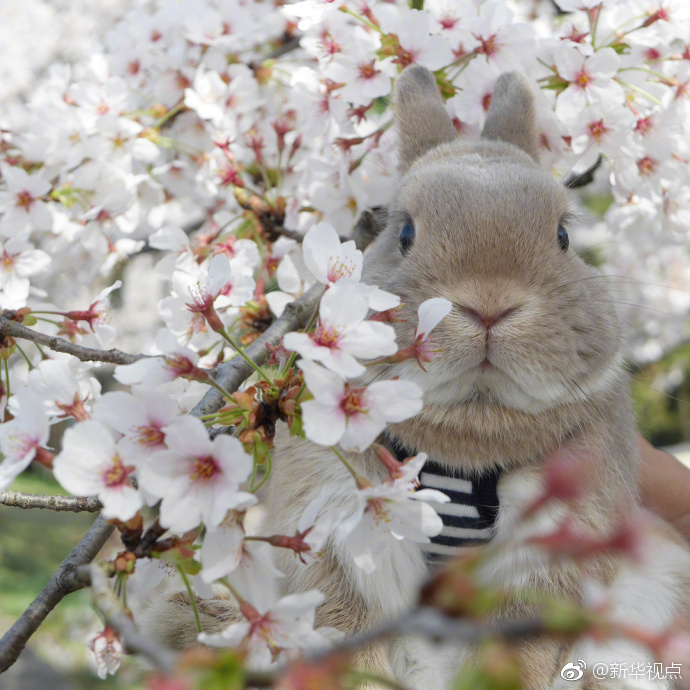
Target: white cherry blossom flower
<point>90,464</point>
<point>197,478</point>
<point>22,201</point>
<point>140,417</point>
<point>353,416</point>
<point>328,259</point>
<point>393,511</point>
<point>64,388</point>
<point>434,52</point>
<point>590,80</point>
<point>22,437</point>
<point>342,333</point>
<point>281,632</point>
<point>108,650</point>
<point>248,565</point>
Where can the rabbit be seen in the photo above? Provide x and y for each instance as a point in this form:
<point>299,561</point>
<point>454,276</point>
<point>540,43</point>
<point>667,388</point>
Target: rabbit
<point>531,360</point>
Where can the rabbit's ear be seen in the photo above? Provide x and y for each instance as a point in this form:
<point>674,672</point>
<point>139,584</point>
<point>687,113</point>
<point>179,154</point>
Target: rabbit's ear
<point>511,116</point>
<point>421,117</point>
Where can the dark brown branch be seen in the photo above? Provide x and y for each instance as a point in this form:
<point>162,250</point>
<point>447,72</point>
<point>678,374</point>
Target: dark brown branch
<point>230,375</point>
<point>69,577</point>
<point>53,342</point>
<point>71,504</point>
<point>108,604</point>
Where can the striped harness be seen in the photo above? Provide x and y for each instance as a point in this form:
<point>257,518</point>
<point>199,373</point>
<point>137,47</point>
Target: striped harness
<point>469,518</point>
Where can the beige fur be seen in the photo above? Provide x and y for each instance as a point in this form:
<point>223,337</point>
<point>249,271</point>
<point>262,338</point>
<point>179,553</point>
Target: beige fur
<point>486,218</point>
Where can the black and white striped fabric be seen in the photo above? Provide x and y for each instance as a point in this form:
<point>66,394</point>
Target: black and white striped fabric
<point>470,516</point>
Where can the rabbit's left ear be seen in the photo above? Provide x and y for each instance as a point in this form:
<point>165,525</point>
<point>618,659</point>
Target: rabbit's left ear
<point>420,115</point>
<point>511,115</point>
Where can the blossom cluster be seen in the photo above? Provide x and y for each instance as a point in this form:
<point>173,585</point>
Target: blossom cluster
<point>238,143</point>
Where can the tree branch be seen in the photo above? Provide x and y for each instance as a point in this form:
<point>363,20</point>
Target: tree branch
<point>66,579</point>
<point>115,616</point>
<point>53,342</point>
<point>71,504</point>
<point>231,374</point>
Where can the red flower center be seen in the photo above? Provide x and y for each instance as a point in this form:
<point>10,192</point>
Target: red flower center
<point>118,473</point>
<point>646,165</point>
<point>150,435</point>
<point>353,401</point>
<point>582,78</point>
<point>326,336</point>
<point>367,71</point>
<point>204,469</point>
<point>598,129</point>
<point>24,200</point>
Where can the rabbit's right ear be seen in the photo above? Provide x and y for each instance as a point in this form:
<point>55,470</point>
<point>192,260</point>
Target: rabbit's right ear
<point>511,115</point>
<point>420,115</point>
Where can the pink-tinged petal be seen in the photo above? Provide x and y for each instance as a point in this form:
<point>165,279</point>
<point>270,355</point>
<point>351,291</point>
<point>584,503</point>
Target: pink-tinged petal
<point>343,306</point>
<point>232,458</point>
<point>322,424</point>
<point>343,364</point>
<point>296,607</point>
<point>379,300</point>
<point>218,274</point>
<point>361,432</point>
<point>288,276</point>
<point>370,339</point>
<point>188,436</point>
<point>152,371</point>
<point>232,636</point>
<point>121,503</point>
<point>431,313</point>
<point>305,346</point>
<point>120,411</point>
<point>396,400</point>
<point>326,386</point>
<point>604,62</point>
<point>430,496</point>
<point>319,245</point>
<point>436,54</point>
<point>12,467</point>
<point>221,552</point>
<point>569,62</point>
<point>572,101</point>
<point>165,473</point>
<point>159,408</point>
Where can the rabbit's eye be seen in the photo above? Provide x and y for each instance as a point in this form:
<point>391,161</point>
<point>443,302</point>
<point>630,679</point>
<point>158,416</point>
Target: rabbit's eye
<point>406,237</point>
<point>563,240</point>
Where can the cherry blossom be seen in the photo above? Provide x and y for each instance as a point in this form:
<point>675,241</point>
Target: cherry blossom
<point>328,259</point>
<point>351,415</point>
<point>139,417</point>
<point>23,438</point>
<point>108,650</point>
<point>392,511</point>
<point>23,201</point>
<point>198,479</point>
<point>342,333</point>
<point>281,631</point>
<point>90,464</point>
<point>590,80</point>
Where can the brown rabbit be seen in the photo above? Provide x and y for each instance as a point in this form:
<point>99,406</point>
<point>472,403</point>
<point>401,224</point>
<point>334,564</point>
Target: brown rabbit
<point>531,360</point>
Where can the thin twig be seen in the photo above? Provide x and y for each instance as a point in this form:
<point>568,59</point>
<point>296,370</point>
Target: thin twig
<point>69,577</point>
<point>53,342</point>
<point>108,604</point>
<point>71,504</point>
<point>231,374</point>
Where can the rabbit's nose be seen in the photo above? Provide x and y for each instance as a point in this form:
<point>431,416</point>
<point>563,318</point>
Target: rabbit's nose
<point>484,319</point>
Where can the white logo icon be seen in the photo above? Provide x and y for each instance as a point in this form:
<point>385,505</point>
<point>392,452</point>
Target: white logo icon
<point>573,671</point>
